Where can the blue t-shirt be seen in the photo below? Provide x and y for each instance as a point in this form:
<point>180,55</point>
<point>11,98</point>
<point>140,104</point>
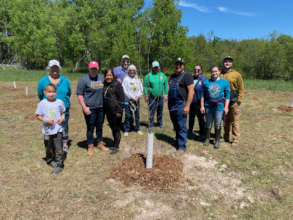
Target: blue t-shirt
<point>120,73</point>
<point>51,111</point>
<point>63,90</point>
<point>215,92</point>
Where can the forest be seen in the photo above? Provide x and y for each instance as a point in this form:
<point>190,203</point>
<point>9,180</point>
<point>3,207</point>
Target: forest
<point>76,31</point>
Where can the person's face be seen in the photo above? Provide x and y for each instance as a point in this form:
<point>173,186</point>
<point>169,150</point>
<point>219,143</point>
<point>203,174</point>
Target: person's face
<point>215,73</point>
<point>93,72</point>
<point>179,67</point>
<point>54,72</point>
<point>109,77</point>
<point>50,92</point>
<point>125,63</point>
<point>131,72</point>
<point>156,69</point>
<point>227,64</point>
<point>197,71</point>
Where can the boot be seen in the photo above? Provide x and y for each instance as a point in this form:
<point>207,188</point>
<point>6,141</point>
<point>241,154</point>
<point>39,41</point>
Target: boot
<point>90,149</point>
<point>217,137</point>
<point>101,146</point>
<point>207,137</point>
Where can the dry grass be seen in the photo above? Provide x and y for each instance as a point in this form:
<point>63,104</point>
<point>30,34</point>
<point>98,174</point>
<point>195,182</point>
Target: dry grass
<point>251,181</point>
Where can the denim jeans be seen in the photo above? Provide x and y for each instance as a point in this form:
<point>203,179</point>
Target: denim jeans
<point>65,129</point>
<point>213,116</point>
<point>156,103</point>
<point>94,120</point>
<point>128,123</point>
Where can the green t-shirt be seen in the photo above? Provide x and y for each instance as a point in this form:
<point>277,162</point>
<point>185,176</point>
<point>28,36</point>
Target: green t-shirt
<point>155,84</point>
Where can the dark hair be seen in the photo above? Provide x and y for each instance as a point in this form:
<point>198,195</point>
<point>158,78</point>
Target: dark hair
<point>109,70</point>
<point>214,67</point>
<point>198,65</point>
<point>52,86</point>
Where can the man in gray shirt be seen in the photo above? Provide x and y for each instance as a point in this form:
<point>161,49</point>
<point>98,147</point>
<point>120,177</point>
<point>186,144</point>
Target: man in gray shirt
<point>90,96</point>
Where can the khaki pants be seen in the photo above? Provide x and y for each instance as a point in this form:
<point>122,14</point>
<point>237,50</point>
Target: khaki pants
<point>232,119</point>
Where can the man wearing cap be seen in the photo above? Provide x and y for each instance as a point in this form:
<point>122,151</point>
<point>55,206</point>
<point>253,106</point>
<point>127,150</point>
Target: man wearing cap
<point>156,92</point>
<point>90,96</point>
<point>63,92</point>
<point>121,71</point>
<point>179,99</point>
<point>236,97</point>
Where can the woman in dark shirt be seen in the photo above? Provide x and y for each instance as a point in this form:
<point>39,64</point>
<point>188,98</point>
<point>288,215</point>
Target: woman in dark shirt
<point>113,106</point>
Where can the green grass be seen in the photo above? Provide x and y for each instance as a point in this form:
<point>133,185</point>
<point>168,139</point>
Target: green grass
<point>10,75</point>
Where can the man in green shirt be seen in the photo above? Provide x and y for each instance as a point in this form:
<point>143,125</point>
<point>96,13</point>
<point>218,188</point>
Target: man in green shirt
<point>156,92</point>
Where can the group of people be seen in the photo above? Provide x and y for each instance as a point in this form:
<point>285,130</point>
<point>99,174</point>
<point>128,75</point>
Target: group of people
<point>119,90</point>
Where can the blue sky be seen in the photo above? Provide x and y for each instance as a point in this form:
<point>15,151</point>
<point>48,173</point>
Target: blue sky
<point>236,19</point>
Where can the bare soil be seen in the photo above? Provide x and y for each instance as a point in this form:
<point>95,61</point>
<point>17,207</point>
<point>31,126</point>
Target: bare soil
<point>285,108</point>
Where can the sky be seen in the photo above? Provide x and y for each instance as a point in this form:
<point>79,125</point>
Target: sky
<point>236,19</point>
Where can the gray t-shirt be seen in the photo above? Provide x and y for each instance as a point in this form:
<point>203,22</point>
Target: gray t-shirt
<point>51,111</point>
<point>92,90</point>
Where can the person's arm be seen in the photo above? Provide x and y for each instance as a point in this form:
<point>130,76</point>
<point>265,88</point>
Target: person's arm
<point>40,90</point>
<point>146,87</point>
<point>166,88</point>
<point>202,109</point>
<point>241,89</point>
<point>85,109</point>
<point>227,97</point>
<point>69,92</point>
<point>189,99</point>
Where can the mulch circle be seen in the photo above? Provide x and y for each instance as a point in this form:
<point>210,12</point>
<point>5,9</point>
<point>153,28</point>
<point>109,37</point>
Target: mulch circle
<point>285,108</point>
<point>167,172</point>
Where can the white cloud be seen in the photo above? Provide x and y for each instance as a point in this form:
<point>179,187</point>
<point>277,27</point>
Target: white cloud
<point>194,6</point>
<point>241,13</point>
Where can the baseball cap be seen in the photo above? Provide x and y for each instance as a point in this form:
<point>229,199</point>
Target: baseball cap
<point>93,64</point>
<point>125,56</point>
<point>179,60</point>
<point>228,58</point>
<point>155,64</point>
<point>54,63</point>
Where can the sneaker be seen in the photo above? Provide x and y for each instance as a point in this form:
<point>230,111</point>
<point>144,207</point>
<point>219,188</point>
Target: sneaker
<point>125,134</point>
<point>235,143</point>
<point>53,164</point>
<point>139,132</point>
<point>57,170</point>
<point>114,150</point>
<point>65,148</point>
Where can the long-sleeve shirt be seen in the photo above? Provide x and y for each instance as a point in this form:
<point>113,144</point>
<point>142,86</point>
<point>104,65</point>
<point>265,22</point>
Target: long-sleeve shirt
<point>236,82</point>
<point>132,87</point>
<point>63,90</point>
<point>155,84</point>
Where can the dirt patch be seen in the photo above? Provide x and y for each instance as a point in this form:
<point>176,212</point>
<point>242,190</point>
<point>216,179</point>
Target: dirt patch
<point>167,172</point>
<point>31,116</point>
<point>26,97</point>
<point>19,106</point>
<point>285,108</point>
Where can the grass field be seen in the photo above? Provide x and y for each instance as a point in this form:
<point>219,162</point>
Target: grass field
<point>251,181</point>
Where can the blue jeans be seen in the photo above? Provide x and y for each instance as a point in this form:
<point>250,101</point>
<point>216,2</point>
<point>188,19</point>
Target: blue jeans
<point>128,123</point>
<point>179,123</point>
<point>65,129</point>
<point>213,116</point>
<point>156,103</point>
<point>94,120</point>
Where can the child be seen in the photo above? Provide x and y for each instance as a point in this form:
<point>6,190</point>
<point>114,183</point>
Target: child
<point>133,89</point>
<point>51,112</point>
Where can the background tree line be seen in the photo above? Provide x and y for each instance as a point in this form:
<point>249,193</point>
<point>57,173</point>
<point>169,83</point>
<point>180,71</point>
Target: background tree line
<point>76,31</point>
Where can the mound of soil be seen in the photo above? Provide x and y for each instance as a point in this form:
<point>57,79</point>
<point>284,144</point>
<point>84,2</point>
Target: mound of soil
<point>167,172</point>
<point>285,108</point>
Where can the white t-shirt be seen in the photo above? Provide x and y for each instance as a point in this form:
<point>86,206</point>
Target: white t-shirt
<point>51,111</point>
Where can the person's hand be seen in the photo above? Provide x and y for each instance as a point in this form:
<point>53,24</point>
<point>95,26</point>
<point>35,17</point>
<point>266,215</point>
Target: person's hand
<point>226,110</point>
<point>49,122</point>
<point>202,110</point>
<point>146,99</point>
<point>135,98</point>
<point>186,110</point>
<point>60,121</point>
<point>87,111</point>
<point>165,98</point>
<point>119,80</point>
<point>118,115</point>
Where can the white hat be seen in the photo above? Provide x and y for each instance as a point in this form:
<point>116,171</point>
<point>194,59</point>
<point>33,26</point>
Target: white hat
<point>155,64</point>
<point>54,63</point>
<point>125,56</point>
<point>132,67</point>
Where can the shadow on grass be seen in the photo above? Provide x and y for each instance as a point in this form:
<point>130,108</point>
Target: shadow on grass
<point>83,144</point>
<point>167,139</point>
